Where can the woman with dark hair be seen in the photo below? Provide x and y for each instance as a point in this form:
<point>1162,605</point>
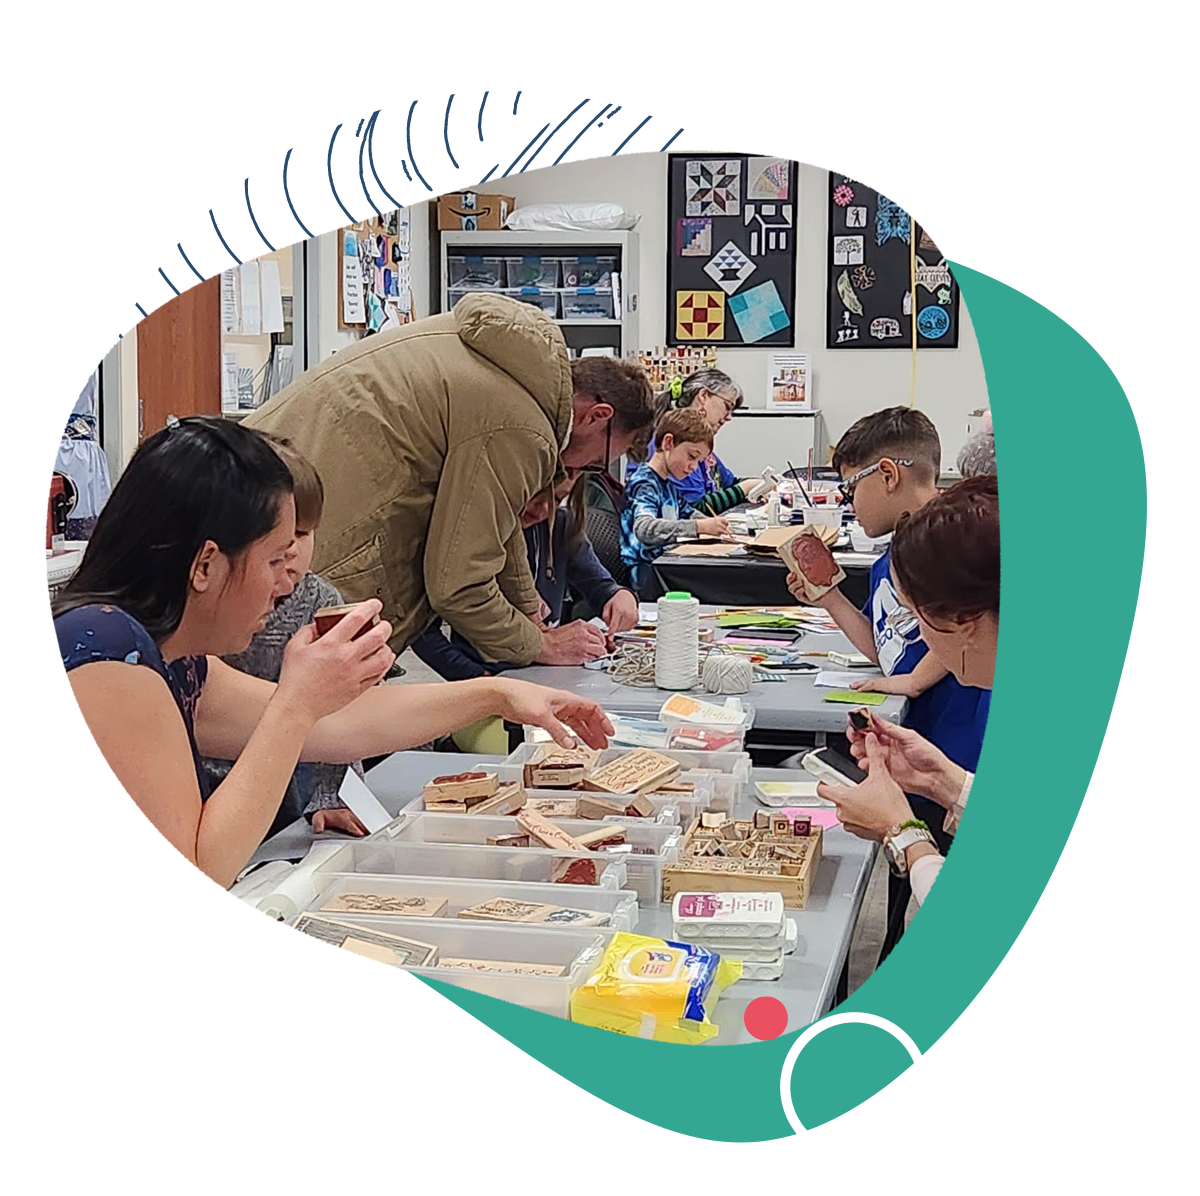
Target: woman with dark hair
<point>946,568</point>
<point>185,565</point>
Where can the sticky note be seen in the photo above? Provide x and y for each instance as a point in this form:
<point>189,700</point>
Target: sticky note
<point>855,697</point>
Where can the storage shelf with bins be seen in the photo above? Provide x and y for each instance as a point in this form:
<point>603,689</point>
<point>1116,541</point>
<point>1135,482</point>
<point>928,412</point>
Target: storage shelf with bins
<point>499,262</point>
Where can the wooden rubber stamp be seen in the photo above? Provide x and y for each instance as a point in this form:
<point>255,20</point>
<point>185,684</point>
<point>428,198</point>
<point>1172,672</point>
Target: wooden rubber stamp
<point>328,617</point>
<point>641,771</point>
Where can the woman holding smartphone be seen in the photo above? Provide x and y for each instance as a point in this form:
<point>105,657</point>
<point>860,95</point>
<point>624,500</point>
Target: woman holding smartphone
<point>186,562</point>
<point>946,567</point>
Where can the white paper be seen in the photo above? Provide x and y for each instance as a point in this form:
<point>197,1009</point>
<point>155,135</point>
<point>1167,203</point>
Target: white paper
<point>272,296</point>
<point>789,382</point>
<point>832,680</point>
<point>249,297</point>
<point>354,308</point>
<point>363,804</point>
<point>229,382</point>
<point>229,303</point>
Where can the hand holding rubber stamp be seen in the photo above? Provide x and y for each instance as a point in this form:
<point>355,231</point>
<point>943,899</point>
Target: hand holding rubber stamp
<point>323,673</point>
<point>814,572</point>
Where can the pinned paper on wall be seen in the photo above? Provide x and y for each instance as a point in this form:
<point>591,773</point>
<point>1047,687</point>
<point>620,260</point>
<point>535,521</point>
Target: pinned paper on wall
<point>759,312</point>
<point>713,187</point>
<point>229,381</point>
<point>272,296</point>
<point>700,315</point>
<point>248,299</point>
<point>229,302</point>
<point>354,309</point>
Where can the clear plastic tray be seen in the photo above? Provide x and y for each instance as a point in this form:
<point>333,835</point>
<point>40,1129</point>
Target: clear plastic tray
<point>576,951</point>
<point>471,831</point>
<point>526,865</point>
<point>536,297</point>
<point>620,905</point>
<point>716,789</point>
<point>532,272</point>
<point>637,728</point>
<point>587,303</point>
<point>588,271</point>
<point>469,273</point>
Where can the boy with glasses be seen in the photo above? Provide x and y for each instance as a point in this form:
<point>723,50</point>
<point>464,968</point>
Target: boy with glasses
<point>889,462</point>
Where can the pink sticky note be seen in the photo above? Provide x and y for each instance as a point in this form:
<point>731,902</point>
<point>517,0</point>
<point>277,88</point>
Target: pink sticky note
<point>821,817</point>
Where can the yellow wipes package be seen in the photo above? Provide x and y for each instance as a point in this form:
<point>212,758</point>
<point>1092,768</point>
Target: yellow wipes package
<point>654,988</point>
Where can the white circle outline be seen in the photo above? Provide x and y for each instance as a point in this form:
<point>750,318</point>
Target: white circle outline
<point>836,1019</point>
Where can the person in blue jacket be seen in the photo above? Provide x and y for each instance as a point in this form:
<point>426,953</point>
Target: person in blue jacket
<point>711,488</point>
<point>562,560</point>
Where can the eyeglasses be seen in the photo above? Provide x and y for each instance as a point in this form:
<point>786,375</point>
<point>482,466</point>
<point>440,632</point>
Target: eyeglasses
<point>602,466</point>
<point>847,488</point>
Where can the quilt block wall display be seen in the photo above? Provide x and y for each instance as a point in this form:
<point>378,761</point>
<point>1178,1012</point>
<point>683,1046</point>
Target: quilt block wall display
<point>873,275</point>
<point>731,256</point>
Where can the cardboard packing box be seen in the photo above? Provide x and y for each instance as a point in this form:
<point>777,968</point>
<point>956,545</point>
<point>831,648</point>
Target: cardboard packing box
<point>473,211</point>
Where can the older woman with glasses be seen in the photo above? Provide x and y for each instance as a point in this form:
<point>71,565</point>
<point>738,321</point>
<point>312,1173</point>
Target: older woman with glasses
<point>946,567</point>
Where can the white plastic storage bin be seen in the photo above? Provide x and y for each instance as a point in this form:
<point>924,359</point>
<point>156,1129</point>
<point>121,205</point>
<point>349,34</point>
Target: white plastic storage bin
<point>469,273</point>
<point>620,906</point>
<point>587,303</point>
<point>547,301</point>
<point>587,271</point>
<point>413,857</point>
<point>575,951</point>
<point>633,728</point>
<point>532,272</point>
<point>472,831</point>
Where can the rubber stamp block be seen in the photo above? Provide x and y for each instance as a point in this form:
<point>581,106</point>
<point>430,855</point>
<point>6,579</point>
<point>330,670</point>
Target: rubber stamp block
<point>638,772</point>
<point>508,841</point>
<point>328,617</point>
<point>597,808</point>
<point>609,835</point>
<point>640,807</point>
<point>470,788</point>
<point>504,909</point>
<point>502,967</point>
<point>573,872</point>
<point>399,950</point>
<point>807,556</point>
<point>546,832</point>
<point>508,799</point>
<point>406,905</point>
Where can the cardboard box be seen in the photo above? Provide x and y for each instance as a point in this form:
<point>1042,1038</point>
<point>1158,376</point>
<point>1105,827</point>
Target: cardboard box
<point>473,211</point>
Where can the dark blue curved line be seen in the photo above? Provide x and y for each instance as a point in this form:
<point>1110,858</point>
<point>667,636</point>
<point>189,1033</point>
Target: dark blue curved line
<point>581,132</point>
<point>189,262</point>
<point>141,309</point>
<point>288,197</point>
<point>669,142</point>
<point>406,174</point>
<point>516,102</point>
<point>362,145</point>
<point>359,129</point>
<point>223,241</point>
<point>329,172</point>
<point>446,129</point>
<point>551,137</point>
<point>626,141</point>
<point>168,281</point>
<point>408,138</point>
<point>488,175</point>
<point>614,112</point>
<point>484,101</point>
<point>371,158</point>
<point>523,152</point>
<point>254,221</point>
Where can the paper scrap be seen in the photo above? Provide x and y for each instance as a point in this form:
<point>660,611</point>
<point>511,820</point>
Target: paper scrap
<point>827,679</point>
<point>229,303</point>
<point>229,381</point>
<point>818,817</point>
<point>248,298</point>
<point>363,804</point>
<point>855,697</point>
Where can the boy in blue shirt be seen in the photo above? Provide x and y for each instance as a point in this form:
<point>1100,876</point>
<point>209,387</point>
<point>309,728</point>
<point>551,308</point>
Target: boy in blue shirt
<point>656,514</point>
<point>889,462</point>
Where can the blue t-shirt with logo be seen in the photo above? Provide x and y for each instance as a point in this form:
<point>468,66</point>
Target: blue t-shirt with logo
<point>950,715</point>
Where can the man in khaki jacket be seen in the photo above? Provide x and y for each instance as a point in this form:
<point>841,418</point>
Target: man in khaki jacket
<point>431,439</point>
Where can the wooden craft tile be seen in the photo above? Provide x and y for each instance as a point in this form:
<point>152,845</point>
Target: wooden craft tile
<point>638,772</point>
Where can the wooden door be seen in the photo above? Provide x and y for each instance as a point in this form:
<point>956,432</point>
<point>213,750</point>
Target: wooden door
<point>179,358</point>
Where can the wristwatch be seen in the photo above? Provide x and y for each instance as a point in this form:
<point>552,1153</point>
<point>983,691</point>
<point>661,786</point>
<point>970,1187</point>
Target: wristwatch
<point>901,837</point>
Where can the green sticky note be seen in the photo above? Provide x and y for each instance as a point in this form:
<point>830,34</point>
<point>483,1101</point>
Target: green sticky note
<point>855,696</point>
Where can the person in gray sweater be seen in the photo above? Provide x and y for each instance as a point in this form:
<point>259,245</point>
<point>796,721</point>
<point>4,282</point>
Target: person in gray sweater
<point>313,791</point>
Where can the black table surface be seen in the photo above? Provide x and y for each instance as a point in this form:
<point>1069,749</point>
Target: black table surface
<point>739,581</point>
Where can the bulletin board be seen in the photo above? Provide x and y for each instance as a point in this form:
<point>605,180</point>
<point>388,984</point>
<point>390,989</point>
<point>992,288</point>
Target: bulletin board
<point>375,284</point>
<point>871,275</point>
<point>731,250</point>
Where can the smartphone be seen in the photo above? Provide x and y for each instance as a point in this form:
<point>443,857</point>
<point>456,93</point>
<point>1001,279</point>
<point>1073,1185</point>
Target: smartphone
<point>827,765</point>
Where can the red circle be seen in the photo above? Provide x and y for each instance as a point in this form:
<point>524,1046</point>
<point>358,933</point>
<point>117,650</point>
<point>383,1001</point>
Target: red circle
<point>766,1017</point>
